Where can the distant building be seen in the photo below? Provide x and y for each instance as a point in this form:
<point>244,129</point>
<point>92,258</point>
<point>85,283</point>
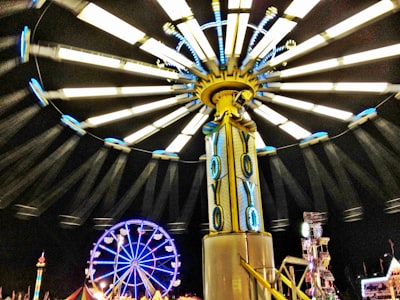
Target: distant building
<point>384,287</point>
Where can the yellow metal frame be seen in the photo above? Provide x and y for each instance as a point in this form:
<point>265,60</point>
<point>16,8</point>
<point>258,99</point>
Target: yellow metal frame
<point>274,292</point>
<point>280,277</point>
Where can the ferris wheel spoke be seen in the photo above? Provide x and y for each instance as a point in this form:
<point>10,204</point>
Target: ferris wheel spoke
<point>108,291</point>
<point>111,273</point>
<point>150,239</point>
<point>103,262</point>
<point>113,252</point>
<point>126,285</point>
<point>129,239</point>
<point>148,242</point>
<point>170,272</point>
<point>150,276</point>
<point>154,249</point>
<point>121,279</point>
<point>121,247</point>
<point>139,239</point>
<point>144,276</point>
<point>135,284</point>
<point>160,258</point>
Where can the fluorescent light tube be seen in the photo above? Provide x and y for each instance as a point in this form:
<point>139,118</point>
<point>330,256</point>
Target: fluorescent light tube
<point>185,30</point>
<point>335,63</point>
<point>88,58</point>
<point>333,112</point>
<point>310,68</point>
<point>190,28</point>
<point>230,34</point>
<point>305,47</point>
<point>148,90</point>
<point>103,60</point>
<point>241,32</point>
<point>361,18</point>
<point>300,8</point>
<point>372,13</point>
<point>149,70</point>
<point>193,126</point>
<point>177,9</point>
<point>359,87</point>
<point>270,115</point>
<point>292,102</point>
<point>159,50</point>
<point>201,38</point>
<point>178,143</point>
<point>277,32</point>
<point>304,86</point>
<point>374,87</point>
<point>260,144</point>
<point>308,106</point>
<point>90,92</point>
<point>87,92</point>
<point>171,118</point>
<point>369,55</point>
<point>107,118</point>
<point>107,22</point>
<point>294,130</point>
<point>141,134</point>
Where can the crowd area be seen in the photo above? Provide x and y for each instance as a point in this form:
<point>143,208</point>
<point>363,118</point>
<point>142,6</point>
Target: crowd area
<point>23,295</point>
<point>26,295</point>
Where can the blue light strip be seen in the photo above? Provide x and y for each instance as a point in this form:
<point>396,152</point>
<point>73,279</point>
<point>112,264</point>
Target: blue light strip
<point>270,55</point>
<point>37,89</point>
<point>217,14</point>
<point>24,44</point>
<point>151,267</point>
<point>183,41</point>
<point>159,258</point>
<point>364,113</point>
<point>121,247</point>
<point>114,141</point>
<point>268,17</point>
<point>140,240</point>
<point>130,239</point>
<point>147,244</point>
<point>153,250</point>
<point>127,285</point>
<point>314,137</point>
<point>37,3</point>
<point>154,279</point>
<point>73,124</point>
<point>267,148</point>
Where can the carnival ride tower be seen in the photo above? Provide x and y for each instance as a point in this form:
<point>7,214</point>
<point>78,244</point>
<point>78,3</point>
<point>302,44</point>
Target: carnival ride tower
<point>236,236</point>
<point>41,264</point>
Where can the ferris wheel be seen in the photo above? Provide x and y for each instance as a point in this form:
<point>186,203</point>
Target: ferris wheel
<point>134,258</point>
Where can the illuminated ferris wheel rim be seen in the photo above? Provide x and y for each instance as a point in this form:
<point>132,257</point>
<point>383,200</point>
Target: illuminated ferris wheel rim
<point>255,72</point>
<point>136,257</point>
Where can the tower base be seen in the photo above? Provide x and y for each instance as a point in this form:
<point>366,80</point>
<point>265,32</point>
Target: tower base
<point>223,275</point>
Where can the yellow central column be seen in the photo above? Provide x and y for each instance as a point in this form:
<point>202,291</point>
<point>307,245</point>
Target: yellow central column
<point>235,209</point>
<point>233,171</point>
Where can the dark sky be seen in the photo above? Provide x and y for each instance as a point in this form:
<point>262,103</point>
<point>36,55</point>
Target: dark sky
<point>67,250</point>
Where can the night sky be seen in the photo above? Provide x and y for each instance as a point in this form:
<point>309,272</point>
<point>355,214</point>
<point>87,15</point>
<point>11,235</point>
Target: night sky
<point>67,250</point>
